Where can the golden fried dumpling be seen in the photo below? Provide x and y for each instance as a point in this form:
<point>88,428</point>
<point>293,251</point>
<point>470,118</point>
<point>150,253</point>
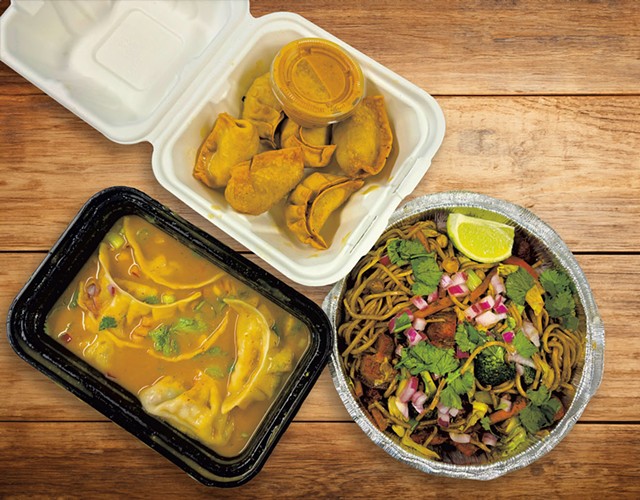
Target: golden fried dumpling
<point>364,139</point>
<point>262,108</point>
<point>314,142</point>
<point>256,185</point>
<point>313,201</point>
<point>230,142</point>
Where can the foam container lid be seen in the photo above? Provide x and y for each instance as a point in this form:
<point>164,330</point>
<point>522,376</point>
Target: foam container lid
<point>161,71</point>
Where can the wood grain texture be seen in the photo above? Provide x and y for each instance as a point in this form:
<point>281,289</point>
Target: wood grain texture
<point>526,150</point>
<point>88,460</point>
<point>542,104</point>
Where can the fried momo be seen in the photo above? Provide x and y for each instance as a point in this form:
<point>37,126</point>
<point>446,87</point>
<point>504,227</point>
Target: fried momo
<point>257,185</point>
<point>230,142</point>
<point>262,108</point>
<point>313,201</point>
<point>363,141</point>
<point>314,142</point>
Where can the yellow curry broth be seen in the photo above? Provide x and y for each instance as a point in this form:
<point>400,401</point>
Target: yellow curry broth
<point>122,316</point>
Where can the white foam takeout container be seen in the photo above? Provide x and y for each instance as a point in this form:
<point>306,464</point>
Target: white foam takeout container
<point>161,71</point>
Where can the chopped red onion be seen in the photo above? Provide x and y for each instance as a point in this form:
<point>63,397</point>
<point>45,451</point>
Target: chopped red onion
<point>458,290</point>
<point>460,438</point>
<point>517,358</point>
<point>418,400</point>
<point>461,354</point>
<point>470,312</point>
<point>454,412</point>
<point>419,302</point>
<point>419,324</point>
<point>442,409</point>
<point>432,297</point>
<point>460,278</point>
<point>443,419</point>
<point>403,407</point>
<point>508,336</point>
<point>489,318</point>
<point>413,336</point>
<point>500,309</point>
<point>489,439</point>
<point>497,284</point>
<point>486,303</point>
<point>505,404</point>
<point>409,389</point>
<point>531,332</point>
<point>446,281</point>
<point>519,369</point>
<point>399,350</point>
<point>385,260</point>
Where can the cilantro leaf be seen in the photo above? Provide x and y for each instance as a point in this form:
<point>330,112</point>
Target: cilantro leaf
<point>402,251</point>
<point>427,357</point>
<point>540,411</point>
<point>468,337</point>
<point>449,397</point>
<point>559,301</point>
<point>163,340</point>
<point>456,385</point>
<point>523,345</point>
<point>427,274</point>
<point>518,284</point>
<point>486,423</point>
<point>554,281</point>
<point>188,325</point>
<point>560,305</point>
<point>107,322</point>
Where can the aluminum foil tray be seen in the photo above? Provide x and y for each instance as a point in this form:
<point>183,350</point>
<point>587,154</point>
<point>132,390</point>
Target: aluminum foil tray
<point>551,248</point>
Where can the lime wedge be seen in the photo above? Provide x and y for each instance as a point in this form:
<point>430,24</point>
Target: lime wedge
<point>479,239</point>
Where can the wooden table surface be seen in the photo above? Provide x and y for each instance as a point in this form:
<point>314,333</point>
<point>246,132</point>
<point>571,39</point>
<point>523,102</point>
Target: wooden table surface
<point>542,102</point>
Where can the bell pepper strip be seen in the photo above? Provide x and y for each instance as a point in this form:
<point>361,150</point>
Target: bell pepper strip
<point>517,261</point>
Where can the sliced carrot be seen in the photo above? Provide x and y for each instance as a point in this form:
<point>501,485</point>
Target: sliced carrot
<point>498,416</point>
<point>434,307</point>
<point>517,261</point>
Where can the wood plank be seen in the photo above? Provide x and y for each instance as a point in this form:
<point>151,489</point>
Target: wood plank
<point>559,157</point>
<point>77,460</point>
<point>480,48</point>
<point>29,395</point>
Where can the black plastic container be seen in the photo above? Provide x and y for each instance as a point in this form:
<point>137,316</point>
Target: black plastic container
<point>25,330</point>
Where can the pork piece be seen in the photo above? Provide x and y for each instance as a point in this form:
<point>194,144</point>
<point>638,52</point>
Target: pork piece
<point>375,369</point>
<point>443,332</point>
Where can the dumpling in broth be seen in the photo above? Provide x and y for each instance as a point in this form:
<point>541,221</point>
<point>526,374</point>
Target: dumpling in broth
<point>259,364</point>
<point>195,411</point>
<point>363,141</point>
<point>314,142</point>
<point>262,108</point>
<point>230,142</point>
<point>257,185</point>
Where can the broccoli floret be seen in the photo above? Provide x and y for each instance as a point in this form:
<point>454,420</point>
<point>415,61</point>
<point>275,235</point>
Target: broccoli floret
<point>491,368</point>
<point>529,375</point>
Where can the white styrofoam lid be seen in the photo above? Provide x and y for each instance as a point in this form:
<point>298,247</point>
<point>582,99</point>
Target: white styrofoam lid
<point>118,64</point>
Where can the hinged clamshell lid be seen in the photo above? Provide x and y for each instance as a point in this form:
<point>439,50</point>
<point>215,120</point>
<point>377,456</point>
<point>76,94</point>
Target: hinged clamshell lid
<point>119,65</point>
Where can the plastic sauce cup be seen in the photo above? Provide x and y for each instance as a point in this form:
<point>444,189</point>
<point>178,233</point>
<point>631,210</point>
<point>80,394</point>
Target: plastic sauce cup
<point>316,82</point>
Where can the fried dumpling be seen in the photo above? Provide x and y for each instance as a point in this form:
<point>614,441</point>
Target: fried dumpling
<point>313,201</point>
<point>364,139</point>
<point>230,142</point>
<point>314,142</point>
<point>261,107</point>
<point>259,365</point>
<point>196,411</point>
<point>257,185</point>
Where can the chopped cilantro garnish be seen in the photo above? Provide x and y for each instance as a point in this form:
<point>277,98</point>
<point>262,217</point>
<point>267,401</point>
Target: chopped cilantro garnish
<point>187,325</point>
<point>523,345</point>
<point>559,300</point>
<point>540,411</point>
<point>214,372</point>
<point>107,322</point>
<point>426,272</point>
<point>518,284</point>
<point>456,385</point>
<point>151,299</point>
<point>486,423</point>
<point>468,337</point>
<point>164,340</point>
<point>427,357</point>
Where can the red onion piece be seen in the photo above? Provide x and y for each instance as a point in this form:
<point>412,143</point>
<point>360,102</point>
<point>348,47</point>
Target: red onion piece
<point>489,318</point>
<point>399,350</point>
<point>531,332</point>
<point>489,439</point>
<point>460,438</point>
<point>501,309</point>
<point>419,302</point>
<point>517,358</point>
<point>385,260</point>
<point>442,409</point>
<point>413,336</point>
<point>418,400</point>
<point>458,290</point>
<point>419,324</point>
<point>508,336</point>
<point>485,304</point>
<point>460,278</point>
<point>504,404</point>
<point>454,412</point>
<point>497,284</point>
<point>461,354</point>
<point>409,389</point>
<point>403,407</point>
<point>443,419</point>
<point>446,281</point>
<point>519,369</point>
<point>432,297</point>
